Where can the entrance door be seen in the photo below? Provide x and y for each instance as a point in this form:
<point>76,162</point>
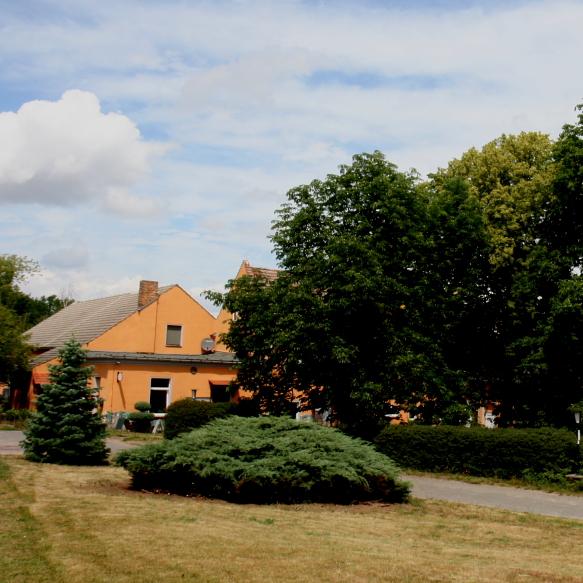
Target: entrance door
<point>159,395</point>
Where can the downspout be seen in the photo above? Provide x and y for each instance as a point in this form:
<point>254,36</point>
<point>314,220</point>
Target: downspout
<point>155,326</point>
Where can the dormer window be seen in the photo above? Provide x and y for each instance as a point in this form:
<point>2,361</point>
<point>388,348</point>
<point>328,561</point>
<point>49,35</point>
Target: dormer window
<point>173,335</point>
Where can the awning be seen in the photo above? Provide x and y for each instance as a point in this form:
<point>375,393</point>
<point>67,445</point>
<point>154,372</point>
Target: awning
<point>220,382</point>
<point>40,378</point>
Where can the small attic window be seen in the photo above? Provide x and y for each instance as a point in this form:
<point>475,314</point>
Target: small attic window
<point>173,335</point>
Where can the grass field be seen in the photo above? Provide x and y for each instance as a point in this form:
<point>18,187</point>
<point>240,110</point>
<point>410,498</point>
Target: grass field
<point>82,525</point>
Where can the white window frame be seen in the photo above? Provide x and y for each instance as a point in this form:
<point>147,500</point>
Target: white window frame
<point>167,389</point>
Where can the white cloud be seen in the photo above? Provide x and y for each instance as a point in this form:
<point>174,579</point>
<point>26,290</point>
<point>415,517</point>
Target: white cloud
<point>126,204</point>
<point>69,151</point>
<point>235,86</point>
<point>67,257</point>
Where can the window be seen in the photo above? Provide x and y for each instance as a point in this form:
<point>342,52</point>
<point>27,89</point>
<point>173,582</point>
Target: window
<point>159,395</point>
<point>173,335</point>
<point>220,393</point>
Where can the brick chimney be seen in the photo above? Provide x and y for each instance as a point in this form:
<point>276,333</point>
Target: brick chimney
<point>148,292</point>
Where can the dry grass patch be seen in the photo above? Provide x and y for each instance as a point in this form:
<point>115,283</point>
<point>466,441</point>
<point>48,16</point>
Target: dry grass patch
<point>86,526</point>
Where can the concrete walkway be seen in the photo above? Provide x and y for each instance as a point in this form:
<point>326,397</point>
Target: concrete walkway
<point>505,497</point>
<point>10,443</point>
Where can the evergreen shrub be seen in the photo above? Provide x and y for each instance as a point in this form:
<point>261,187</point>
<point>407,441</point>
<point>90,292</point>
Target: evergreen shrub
<point>16,415</point>
<point>67,428</point>
<point>143,406</point>
<point>502,453</point>
<point>266,460</point>
<point>188,414</point>
<point>140,421</point>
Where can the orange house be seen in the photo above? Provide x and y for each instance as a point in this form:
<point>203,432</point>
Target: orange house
<point>225,317</point>
<point>157,345</point>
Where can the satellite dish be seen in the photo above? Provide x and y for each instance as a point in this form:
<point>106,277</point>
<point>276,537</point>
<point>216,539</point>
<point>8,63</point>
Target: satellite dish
<point>208,345</point>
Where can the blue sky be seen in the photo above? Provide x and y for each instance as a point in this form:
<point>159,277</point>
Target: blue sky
<point>155,139</point>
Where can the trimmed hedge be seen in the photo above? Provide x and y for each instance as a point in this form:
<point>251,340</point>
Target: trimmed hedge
<point>139,422</point>
<point>502,453</point>
<point>266,460</point>
<point>16,415</point>
<point>188,414</point>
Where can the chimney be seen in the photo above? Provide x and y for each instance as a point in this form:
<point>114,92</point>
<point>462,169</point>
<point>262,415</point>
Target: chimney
<point>148,292</point>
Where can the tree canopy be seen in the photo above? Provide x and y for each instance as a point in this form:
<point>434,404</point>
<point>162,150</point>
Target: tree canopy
<point>457,290</point>
<point>349,322</point>
<point>19,312</point>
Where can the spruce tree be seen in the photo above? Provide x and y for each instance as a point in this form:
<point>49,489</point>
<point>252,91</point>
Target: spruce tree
<point>67,429</point>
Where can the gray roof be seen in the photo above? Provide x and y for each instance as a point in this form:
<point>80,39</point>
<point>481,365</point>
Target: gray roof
<point>222,358</point>
<point>83,321</point>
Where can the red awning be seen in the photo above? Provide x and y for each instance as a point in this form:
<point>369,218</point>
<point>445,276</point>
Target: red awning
<point>220,382</point>
<point>40,378</point>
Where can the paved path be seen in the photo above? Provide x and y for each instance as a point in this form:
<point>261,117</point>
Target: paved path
<point>10,440</point>
<point>515,499</point>
<point>506,497</point>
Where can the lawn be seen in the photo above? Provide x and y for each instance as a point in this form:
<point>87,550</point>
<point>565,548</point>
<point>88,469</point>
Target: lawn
<point>82,525</point>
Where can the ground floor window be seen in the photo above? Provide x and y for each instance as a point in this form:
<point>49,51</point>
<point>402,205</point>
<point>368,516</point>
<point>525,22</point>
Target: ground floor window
<point>220,393</point>
<point>159,394</point>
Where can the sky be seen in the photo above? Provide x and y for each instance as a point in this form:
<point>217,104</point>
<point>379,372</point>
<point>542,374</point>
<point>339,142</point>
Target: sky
<point>154,139</point>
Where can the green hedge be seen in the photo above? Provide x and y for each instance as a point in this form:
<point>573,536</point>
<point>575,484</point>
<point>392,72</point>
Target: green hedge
<point>502,453</point>
<point>139,422</point>
<point>187,414</point>
<point>266,460</point>
<point>16,415</point>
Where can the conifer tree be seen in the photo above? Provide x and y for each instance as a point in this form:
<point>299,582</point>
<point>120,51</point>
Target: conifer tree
<point>67,428</point>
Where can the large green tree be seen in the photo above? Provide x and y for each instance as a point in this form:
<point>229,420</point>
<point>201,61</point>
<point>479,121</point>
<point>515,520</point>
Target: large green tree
<point>67,428</point>
<point>511,179</point>
<point>561,339</point>
<point>18,312</point>
<point>351,319</point>
<point>13,350</point>
<point>14,270</point>
<point>436,294</point>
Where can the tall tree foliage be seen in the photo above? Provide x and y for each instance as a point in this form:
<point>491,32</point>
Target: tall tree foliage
<point>14,270</point>
<point>18,312</point>
<point>511,178</point>
<point>562,233</point>
<point>563,223</point>
<point>13,349</point>
<point>461,289</point>
<point>67,428</point>
<point>351,320</point>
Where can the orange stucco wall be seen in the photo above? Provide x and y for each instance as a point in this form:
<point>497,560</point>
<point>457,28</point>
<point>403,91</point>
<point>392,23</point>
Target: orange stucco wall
<point>121,395</point>
<point>135,380</point>
<point>224,318</point>
<point>145,330</point>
